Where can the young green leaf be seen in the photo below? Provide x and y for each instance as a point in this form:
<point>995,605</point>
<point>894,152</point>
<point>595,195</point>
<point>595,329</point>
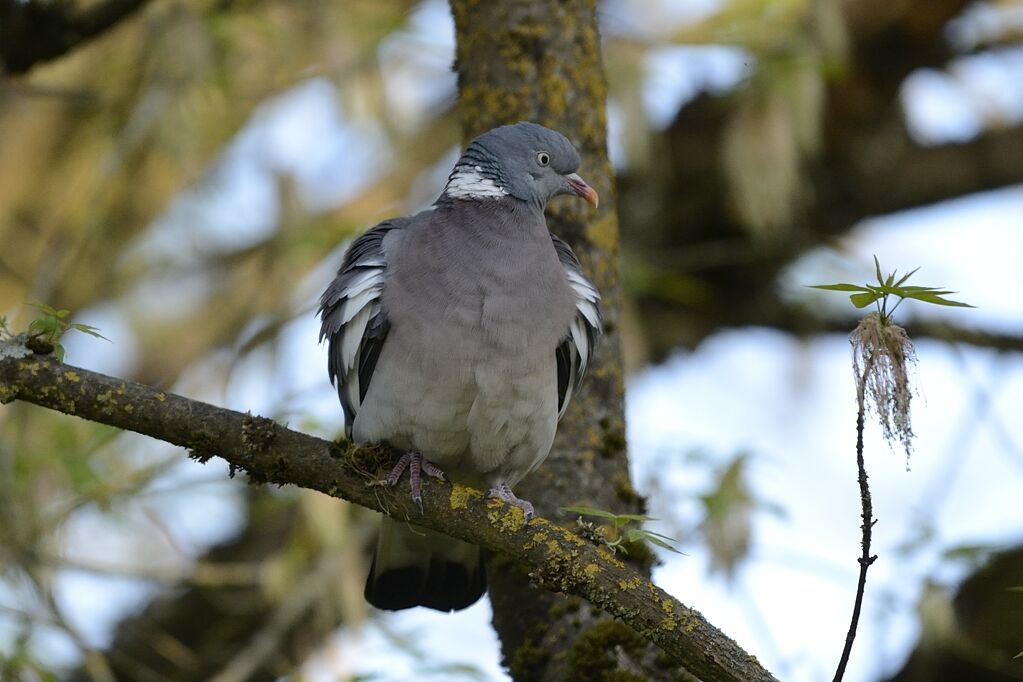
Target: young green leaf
<point>90,330</point>
<point>936,298</point>
<point>906,276</point>
<point>863,300</point>
<point>839,287</point>
<point>592,511</point>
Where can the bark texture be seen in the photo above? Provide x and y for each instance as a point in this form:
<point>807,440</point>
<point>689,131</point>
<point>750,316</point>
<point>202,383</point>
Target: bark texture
<point>270,453</point>
<point>541,61</point>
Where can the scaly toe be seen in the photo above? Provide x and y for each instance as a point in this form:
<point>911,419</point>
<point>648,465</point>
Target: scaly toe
<point>501,491</point>
<point>416,465</point>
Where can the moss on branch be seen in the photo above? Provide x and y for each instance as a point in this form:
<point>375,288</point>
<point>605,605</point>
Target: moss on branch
<point>267,451</point>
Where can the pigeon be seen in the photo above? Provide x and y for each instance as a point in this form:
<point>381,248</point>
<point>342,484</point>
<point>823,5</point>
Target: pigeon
<point>457,336</point>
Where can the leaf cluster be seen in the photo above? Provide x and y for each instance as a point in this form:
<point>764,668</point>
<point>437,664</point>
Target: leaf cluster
<point>51,325</point>
<point>862,296</point>
<point>626,529</point>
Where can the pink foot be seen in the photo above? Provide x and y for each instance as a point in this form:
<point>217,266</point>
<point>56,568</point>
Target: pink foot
<point>416,464</point>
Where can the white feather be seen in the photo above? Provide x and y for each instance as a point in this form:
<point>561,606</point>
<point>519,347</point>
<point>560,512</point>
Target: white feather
<point>351,338</point>
<point>582,346</point>
<point>467,183</point>
<point>589,311</point>
<point>368,278</point>
<point>353,304</point>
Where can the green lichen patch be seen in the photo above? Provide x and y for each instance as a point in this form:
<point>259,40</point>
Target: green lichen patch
<point>7,393</point>
<point>598,651</point>
<point>566,605</point>
<point>365,460</point>
<point>613,442</point>
<point>201,448</point>
<point>624,490</point>
<point>529,660</point>
<point>258,432</point>
<point>338,449</point>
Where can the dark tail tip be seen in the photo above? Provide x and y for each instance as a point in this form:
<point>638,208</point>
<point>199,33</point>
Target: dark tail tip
<point>444,586</point>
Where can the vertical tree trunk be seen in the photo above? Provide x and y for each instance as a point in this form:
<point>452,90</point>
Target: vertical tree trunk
<point>539,60</point>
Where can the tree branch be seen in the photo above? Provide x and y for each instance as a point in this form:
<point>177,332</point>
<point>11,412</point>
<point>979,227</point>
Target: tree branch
<point>268,452</point>
<point>33,32</point>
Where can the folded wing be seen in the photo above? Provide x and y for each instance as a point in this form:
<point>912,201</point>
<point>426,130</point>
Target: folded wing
<point>352,318</point>
<point>575,350</point>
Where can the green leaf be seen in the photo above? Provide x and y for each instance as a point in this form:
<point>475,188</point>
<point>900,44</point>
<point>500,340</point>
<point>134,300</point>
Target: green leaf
<point>652,538</point>
<point>909,274</point>
<point>90,330</point>
<point>58,352</point>
<point>1016,588</point>
<point>588,511</point>
<point>936,298</point>
<point>592,511</point>
<point>877,271</point>
<point>1019,655</point>
<point>863,300</point>
<point>913,290</point>
<point>839,287</point>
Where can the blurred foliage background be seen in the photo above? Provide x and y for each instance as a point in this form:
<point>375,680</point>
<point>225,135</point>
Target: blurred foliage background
<point>186,181</point>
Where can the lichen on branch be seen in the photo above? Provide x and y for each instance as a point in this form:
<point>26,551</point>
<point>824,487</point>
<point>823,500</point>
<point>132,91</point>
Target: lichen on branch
<point>266,451</point>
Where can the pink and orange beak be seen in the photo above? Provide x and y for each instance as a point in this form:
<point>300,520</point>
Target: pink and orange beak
<point>581,189</point>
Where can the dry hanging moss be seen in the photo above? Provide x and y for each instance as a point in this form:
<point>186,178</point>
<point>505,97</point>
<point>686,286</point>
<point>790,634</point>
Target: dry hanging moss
<point>882,357</point>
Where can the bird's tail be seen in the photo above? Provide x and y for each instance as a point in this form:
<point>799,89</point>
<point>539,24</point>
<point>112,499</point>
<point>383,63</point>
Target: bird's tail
<point>418,567</point>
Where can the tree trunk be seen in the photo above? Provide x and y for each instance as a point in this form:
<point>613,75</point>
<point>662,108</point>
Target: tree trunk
<point>540,61</point>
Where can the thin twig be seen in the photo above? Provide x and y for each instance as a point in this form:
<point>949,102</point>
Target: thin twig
<point>867,526</point>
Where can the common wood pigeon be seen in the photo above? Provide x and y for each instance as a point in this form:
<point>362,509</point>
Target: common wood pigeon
<point>457,335</point>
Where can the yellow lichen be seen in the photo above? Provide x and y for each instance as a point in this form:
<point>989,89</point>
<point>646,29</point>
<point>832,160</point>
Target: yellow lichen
<point>460,496</point>
<point>591,570</point>
<point>510,521</point>
<point>609,557</point>
<point>30,366</point>
<point>72,376</point>
<point>603,232</point>
<point>161,396</point>
<point>630,584</point>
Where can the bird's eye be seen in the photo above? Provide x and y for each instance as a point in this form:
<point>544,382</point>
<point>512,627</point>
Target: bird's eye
<point>543,158</point>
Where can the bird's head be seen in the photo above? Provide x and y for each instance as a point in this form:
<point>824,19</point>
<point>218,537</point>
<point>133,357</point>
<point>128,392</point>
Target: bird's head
<point>525,161</point>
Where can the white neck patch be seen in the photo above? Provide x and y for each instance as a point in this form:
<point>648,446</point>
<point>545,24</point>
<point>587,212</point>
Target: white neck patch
<point>467,182</point>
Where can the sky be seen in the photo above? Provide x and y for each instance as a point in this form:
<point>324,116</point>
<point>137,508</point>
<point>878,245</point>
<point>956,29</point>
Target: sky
<point>787,405</point>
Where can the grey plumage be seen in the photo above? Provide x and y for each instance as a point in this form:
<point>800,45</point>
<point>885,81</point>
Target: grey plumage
<point>461,333</point>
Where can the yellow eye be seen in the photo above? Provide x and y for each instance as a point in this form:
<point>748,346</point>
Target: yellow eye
<point>543,158</point>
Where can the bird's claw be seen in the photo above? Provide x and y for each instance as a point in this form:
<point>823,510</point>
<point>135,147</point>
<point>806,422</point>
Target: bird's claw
<point>417,465</point>
<point>501,491</point>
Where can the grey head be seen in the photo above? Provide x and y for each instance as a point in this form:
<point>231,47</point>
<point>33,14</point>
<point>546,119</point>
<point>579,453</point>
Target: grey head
<point>525,161</point>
